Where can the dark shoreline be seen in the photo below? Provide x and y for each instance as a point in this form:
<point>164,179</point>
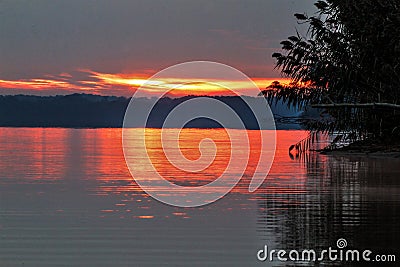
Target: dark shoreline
<point>93,111</point>
<point>370,148</point>
<point>377,154</point>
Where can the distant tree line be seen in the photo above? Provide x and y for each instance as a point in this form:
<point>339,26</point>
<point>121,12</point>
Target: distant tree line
<point>94,111</point>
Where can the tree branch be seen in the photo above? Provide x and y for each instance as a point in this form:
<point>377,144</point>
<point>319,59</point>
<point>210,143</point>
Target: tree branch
<point>357,105</point>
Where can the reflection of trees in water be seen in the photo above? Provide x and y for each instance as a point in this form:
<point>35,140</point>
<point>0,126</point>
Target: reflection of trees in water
<point>353,198</point>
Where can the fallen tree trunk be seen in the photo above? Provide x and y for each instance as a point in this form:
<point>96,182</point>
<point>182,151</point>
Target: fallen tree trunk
<point>359,105</point>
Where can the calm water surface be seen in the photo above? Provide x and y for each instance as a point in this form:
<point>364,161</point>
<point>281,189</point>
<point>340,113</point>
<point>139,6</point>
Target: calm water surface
<point>67,199</point>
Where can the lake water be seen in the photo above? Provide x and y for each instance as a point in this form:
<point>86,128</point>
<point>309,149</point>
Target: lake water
<point>68,199</point>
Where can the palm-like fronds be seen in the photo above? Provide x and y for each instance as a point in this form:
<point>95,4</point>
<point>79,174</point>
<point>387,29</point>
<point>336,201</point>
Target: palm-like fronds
<point>351,55</point>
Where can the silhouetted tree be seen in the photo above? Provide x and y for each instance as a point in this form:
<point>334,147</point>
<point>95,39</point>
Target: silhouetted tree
<point>348,64</point>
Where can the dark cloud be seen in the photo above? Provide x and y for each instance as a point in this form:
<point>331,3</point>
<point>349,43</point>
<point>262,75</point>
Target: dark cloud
<point>129,36</point>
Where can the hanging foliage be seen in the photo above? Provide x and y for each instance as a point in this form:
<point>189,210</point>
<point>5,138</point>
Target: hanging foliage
<point>348,65</point>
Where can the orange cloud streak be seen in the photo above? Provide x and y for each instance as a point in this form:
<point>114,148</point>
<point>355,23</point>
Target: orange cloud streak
<point>125,85</point>
<point>182,86</point>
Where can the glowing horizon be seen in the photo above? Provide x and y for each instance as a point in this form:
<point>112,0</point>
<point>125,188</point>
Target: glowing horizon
<point>125,84</point>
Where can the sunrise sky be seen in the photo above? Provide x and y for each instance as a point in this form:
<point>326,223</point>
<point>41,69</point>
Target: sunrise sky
<point>112,47</point>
